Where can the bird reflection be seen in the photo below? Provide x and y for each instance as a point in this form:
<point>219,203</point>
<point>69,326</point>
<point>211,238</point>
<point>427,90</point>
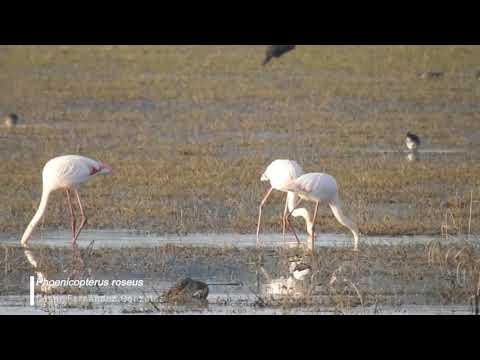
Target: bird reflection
<point>413,156</point>
<point>77,268</point>
<point>44,287</point>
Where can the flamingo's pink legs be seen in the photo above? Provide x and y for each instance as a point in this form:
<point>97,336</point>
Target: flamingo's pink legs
<point>313,226</point>
<point>260,212</point>
<point>285,219</point>
<point>72,216</point>
<point>285,222</point>
<point>84,218</point>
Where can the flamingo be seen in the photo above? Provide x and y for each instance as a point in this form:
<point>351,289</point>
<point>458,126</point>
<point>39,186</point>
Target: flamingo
<point>279,173</point>
<point>276,51</point>
<point>67,173</point>
<point>320,187</point>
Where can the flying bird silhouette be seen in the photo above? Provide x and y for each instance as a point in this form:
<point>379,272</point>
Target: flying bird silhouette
<point>276,51</point>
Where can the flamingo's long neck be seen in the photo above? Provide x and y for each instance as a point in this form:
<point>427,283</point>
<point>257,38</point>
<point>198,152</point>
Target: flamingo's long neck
<point>37,217</point>
<point>345,221</point>
<point>291,200</point>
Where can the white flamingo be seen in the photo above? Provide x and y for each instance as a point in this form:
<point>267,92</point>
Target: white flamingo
<point>279,173</point>
<point>319,187</point>
<point>67,173</point>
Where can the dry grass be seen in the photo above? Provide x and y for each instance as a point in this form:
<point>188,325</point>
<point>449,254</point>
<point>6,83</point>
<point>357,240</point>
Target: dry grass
<point>188,129</point>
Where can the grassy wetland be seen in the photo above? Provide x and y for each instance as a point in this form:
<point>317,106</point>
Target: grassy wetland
<point>188,131</point>
<point>430,278</point>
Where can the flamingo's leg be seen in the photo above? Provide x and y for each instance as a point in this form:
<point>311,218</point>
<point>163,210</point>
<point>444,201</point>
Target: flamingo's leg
<point>288,222</point>
<point>260,213</point>
<point>84,218</point>
<point>312,247</point>
<point>72,215</point>
<point>284,219</point>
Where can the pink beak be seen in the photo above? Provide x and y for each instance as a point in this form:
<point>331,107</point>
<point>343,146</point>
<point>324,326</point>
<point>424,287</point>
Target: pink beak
<point>105,169</point>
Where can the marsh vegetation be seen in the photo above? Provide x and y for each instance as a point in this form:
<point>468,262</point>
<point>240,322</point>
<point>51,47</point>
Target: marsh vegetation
<point>188,129</point>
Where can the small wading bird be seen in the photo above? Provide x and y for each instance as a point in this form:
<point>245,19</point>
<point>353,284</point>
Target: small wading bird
<point>300,270</point>
<point>276,51</point>
<point>279,173</point>
<point>431,75</point>
<point>295,285</point>
<point>11,120</point>
<point>67,173</point>
<point>187,290</point>
<point>319,187</point>
<point>412,141</point>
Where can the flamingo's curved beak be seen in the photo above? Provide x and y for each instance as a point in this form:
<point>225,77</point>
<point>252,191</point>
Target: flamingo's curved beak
<point>105,169</point>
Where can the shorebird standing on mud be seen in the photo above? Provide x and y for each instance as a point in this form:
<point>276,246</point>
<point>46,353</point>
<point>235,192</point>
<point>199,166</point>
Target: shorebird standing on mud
<point>11,120</point>
<point>187,290</point>
<point>300,270</point>
<point>65,173</point>
<point>412,141</point>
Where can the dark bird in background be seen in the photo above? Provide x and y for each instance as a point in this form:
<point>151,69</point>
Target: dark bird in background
<point>431,75</point>
<point>412,141</point>
<point>276,51</point>
<point>11,120</point>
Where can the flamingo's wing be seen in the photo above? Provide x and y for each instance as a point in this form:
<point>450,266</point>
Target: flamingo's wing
<point>297,186</point>
<point>73,169</point>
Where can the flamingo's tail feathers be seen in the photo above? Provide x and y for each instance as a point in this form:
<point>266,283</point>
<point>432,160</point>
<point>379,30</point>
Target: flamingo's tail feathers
<point>345,221</point>
<point>36,218</point>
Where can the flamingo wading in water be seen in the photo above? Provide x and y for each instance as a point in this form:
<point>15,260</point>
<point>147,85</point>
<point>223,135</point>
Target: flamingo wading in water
<point>279,173</point>
<point>67,173</point>
<point>319,187</point>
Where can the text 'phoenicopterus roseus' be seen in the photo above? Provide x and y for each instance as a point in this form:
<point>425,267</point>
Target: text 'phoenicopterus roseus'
<point>319,187</point>
<point>65,172</point>
<point>279,173</point>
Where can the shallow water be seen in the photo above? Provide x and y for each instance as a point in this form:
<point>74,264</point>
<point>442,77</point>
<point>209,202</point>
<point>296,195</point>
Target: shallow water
<point>236,282</point>
<point>421,151</point>
<point>127,238</point>
<point>14,306</point>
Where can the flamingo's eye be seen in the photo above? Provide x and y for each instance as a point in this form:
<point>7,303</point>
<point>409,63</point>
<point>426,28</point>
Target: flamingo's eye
<point>94,170</point>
